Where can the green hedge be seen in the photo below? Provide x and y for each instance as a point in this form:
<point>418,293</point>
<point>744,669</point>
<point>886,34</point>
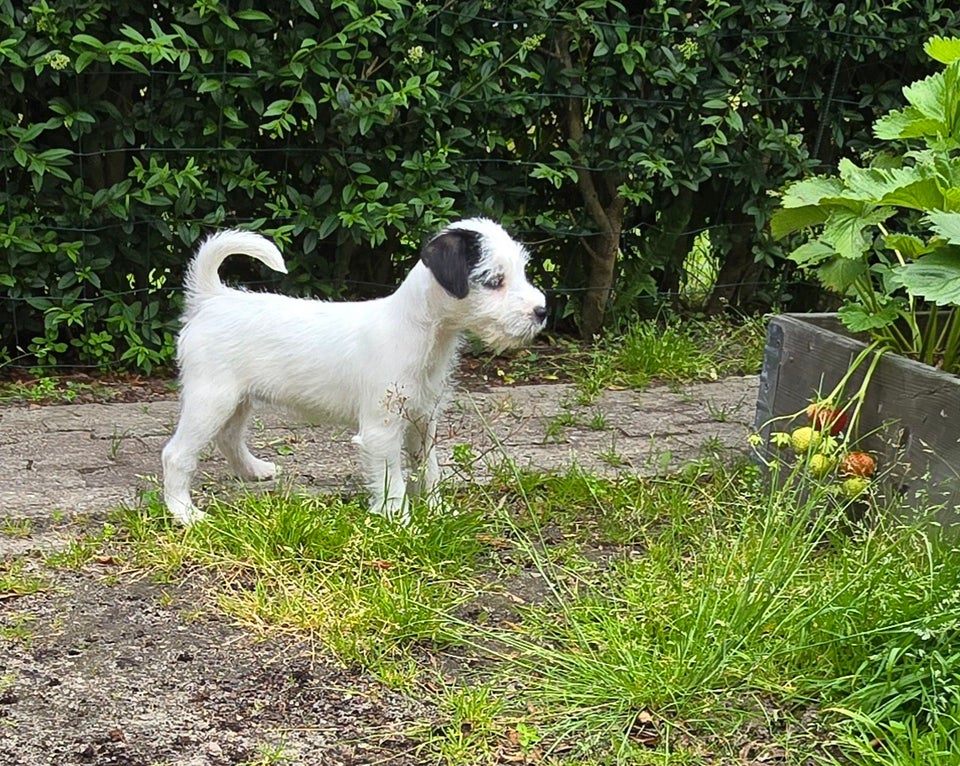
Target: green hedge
<point>607,138</point>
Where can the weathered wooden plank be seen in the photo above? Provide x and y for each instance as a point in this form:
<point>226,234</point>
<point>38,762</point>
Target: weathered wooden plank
<point>911,413</point>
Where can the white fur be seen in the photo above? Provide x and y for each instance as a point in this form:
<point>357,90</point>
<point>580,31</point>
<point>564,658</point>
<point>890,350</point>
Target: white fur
<point>381,366</point>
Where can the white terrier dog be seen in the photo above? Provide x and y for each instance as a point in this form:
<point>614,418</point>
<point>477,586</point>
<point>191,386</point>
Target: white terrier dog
<point>382,366</point>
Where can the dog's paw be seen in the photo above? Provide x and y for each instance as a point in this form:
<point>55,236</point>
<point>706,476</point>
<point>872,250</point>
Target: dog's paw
<point>186,513</point>
<point>396,509</point>
<point>261,470</point>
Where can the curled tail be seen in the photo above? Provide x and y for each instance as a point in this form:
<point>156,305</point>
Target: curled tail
<point>202,277</point>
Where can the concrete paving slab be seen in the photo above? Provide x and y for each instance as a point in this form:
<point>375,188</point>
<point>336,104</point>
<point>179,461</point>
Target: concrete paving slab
<point>88,459</point>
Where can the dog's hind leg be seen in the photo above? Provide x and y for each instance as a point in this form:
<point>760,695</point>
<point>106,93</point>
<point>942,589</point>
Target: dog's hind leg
<point>204,411</point>
<point>232,443</point>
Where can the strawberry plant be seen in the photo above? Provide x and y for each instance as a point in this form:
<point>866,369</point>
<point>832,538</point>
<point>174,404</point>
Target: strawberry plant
<point>823,449</point>
<point>821,440</point>
<point>888,233</point>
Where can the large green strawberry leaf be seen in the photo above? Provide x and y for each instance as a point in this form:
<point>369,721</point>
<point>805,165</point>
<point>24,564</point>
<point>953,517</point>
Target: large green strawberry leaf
<point>934,111</point>
<point>851,232</point>
<point>812,253</point>
<point>840,274</point>
<point>934,277</point>
<point>911,187</point>
<point>927,96</point>
<point>946,50</point>
<point>922,194</point>
<point>812,191</point>
<point>857,319</point>
<point>905,123</point>
<point>909,246</point>
<point>947,225</point>
<point>788,220</point>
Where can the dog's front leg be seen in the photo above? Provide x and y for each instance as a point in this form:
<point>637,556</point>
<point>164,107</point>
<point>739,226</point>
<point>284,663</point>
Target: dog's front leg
<point>381,454</point>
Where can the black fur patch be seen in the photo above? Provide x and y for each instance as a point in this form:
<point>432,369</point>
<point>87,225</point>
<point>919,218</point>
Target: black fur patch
<point>451,256</point>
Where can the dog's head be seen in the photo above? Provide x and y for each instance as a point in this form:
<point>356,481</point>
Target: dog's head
<point>476,262</point>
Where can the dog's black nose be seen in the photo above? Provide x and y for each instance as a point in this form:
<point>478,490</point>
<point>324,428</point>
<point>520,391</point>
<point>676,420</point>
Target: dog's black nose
<point>540,312</point>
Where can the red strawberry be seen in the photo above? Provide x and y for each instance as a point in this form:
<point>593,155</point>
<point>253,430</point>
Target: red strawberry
<point>858,464</point>
<point>825,417</point>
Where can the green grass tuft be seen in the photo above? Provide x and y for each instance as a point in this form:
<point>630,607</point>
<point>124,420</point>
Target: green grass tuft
<point>587,620</point>
<point>673,351</point>
<point>16,579</point>
<point>362,586</point>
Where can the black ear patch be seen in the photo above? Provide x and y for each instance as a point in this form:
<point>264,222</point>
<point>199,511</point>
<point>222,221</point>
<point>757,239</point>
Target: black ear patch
<point>451,256</point>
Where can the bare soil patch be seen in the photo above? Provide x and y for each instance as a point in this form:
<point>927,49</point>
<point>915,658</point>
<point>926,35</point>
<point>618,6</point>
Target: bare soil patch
<point>135,674</point>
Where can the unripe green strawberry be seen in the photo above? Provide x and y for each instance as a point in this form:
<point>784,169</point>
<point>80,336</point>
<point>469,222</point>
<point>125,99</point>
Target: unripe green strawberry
<point>854,486</point>
<point>804,438</point>
<point>820,465</point>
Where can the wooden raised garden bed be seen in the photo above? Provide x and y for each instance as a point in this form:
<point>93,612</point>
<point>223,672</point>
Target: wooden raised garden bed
<point>910,419</point>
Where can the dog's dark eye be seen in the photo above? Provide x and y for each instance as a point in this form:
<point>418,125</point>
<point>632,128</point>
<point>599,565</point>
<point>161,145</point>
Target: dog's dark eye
<point>494,283</point>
